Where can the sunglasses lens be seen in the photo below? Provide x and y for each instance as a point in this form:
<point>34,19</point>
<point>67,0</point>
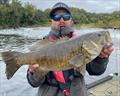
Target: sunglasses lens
<point>66,17</point>
<point>57,17</point>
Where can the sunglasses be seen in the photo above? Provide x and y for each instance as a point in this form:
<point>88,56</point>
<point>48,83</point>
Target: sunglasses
<point>58,17</point>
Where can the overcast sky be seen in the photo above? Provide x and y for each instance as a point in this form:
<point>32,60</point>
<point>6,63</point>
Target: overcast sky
<point>97,6</point>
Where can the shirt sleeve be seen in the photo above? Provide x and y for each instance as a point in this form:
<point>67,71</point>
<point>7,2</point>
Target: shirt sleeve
<point>97,66</point>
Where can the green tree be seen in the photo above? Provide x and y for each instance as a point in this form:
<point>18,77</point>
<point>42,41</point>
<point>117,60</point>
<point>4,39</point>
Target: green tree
<point>4,1</point>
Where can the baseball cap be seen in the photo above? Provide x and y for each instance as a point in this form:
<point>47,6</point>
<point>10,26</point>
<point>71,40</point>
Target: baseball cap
<point>58,6</point>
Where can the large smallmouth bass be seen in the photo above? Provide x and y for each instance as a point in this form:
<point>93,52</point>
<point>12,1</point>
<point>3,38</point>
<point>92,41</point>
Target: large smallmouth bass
<point>61,55</point>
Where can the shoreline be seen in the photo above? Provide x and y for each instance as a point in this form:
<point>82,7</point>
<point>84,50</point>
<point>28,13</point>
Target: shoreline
<point>83,26</point>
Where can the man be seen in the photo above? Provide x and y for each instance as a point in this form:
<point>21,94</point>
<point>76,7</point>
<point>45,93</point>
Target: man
<point>69,82</point>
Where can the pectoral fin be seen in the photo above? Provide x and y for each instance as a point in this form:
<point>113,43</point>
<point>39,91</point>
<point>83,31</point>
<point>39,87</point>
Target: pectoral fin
<point>83,58</point>
<point>92,49</point>
<point>77,61</point>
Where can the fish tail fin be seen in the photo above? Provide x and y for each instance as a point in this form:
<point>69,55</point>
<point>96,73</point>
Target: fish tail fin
<point>11,63</point>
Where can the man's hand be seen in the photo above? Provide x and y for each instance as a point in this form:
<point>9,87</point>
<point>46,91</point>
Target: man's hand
<point>33,67</point>
<point>106,52</point>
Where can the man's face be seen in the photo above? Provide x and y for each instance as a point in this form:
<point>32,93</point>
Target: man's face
<point>61,19</point>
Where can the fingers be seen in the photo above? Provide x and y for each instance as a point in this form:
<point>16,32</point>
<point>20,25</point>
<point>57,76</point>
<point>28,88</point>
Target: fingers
<point>110,49</point>
<point>106,52</point>
<point>33,67</point>
<point>103,55</point>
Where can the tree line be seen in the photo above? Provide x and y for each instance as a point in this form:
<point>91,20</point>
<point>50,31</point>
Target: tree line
<point>14,14</point>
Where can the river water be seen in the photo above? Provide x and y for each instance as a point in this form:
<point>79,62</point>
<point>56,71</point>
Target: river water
<point>20,40</point>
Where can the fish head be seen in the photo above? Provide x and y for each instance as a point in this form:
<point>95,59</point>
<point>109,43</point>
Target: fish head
<point>106,39</point>
<point>101,38</point>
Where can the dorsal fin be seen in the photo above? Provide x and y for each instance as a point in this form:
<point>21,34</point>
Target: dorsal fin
<point>44,42</point>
